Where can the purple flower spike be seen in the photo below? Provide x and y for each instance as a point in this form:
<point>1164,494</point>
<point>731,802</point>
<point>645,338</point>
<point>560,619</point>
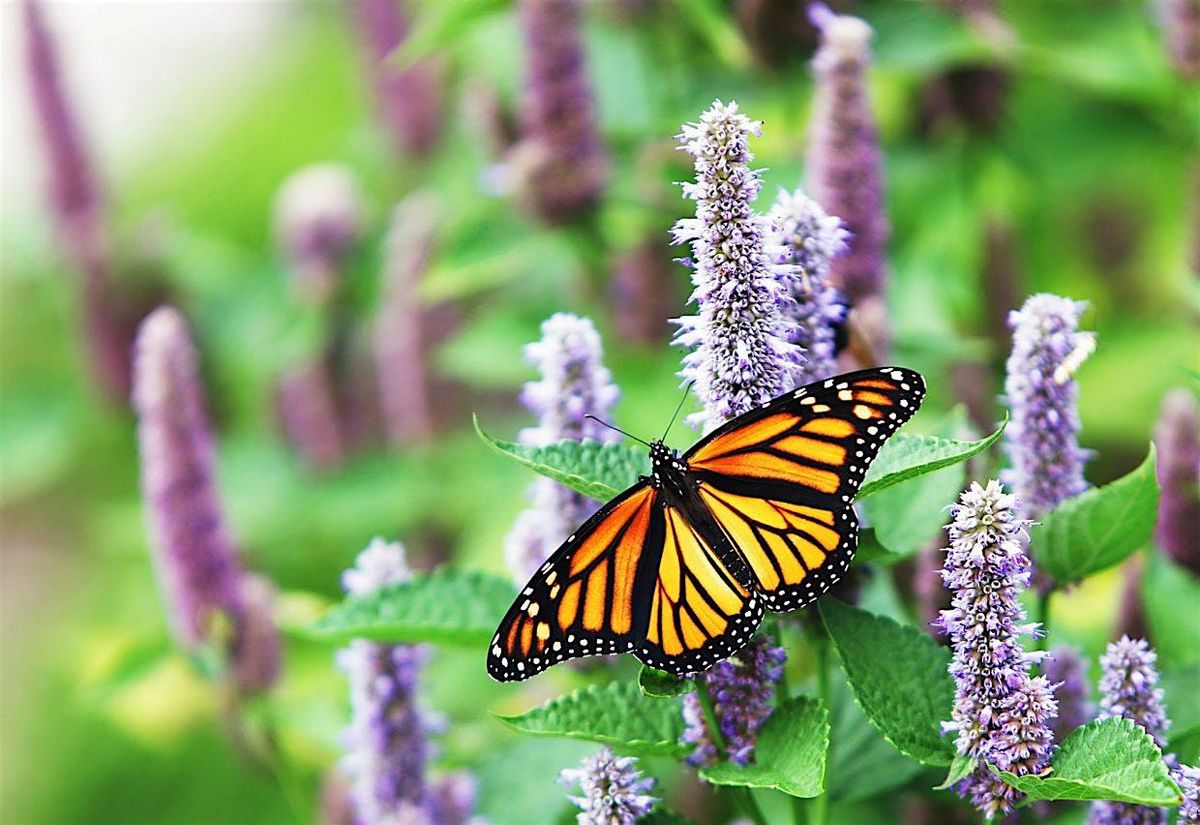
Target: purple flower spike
<point>194,553</point>
<point>1042,438</point>
<point>574,383</point>
<point>318,218</point>
<point>741,352</point>
<point>388,738</point>
<point>1180,20</point>
<point>1066,671</point>
<point>811,240</point>
<point>409,101</point>
<point>844,165</point>
<point>561,163</point>
<point>614,791</point>
<point>1129,689</point>
<point>1177,439</point>
<point>742,691</point>
<point>1002,715</point>
<point>1188,778</point>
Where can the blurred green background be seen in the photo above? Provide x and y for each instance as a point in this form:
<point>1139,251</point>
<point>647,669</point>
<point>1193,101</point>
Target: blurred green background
<point>1061,164</point>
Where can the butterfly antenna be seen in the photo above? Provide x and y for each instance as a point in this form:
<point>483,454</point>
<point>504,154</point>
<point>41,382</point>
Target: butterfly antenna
<point>678,407</point>
<point>618,429</point>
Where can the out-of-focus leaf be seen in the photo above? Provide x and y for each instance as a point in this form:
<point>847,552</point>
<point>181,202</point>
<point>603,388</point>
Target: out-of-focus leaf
<point>517,783</point>
<point>448,606</point>
<point>616,714</point>
<point>440,25</point>
<point>1098,528</point>
<point>789,754</point>
<point>597,470</point>
<point>899,676</point>
<point>1171,601</point>
<point>906,456</point>
<point>1113,759</point>
<point>862,764</point>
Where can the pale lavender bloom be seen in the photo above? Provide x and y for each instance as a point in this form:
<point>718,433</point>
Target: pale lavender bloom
<point>614,790</point>
<point>409,101</point>
<point>401,334</point>
<point>741,352</point>
<point>1129,689</point>
<point>1188,778</point>
<point>387,741</point>
<point>811,239</point>
<point>1042,438</point>
<point>1180,21</point>
<point>844,163</point>
<point>1066,671</point>
<point>318,219</point>
<point>1002,715</point>
<point>742,691</point>
<point>1177,439</point>
<point>560,163</point>
<point>78,209</point>
<point>574,383</point>
<point>194,553</point>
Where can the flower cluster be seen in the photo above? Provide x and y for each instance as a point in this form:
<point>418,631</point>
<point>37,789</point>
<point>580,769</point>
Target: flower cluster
<point>1042,439</point>
<point>741,352</point>
<point>811,239</point>
<point>1177,439</point>
<point>614,791</point>
<point>1129,689</point>
<point>318,218</point>
<point>742,690</point>
<point>1188,778</point>
<point>1002,715</point>
<point>845,168</point>
<point>388,738</point>
<point>560,163</point>
<point>574,383</point>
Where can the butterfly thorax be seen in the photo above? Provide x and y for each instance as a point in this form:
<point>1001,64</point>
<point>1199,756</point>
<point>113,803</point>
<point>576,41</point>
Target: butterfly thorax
<point>668,472</point>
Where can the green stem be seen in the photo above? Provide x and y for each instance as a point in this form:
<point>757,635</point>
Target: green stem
<point>783,692</point>
<point>743,796</point>
<point>1043,617</point>
<point>819,807</point>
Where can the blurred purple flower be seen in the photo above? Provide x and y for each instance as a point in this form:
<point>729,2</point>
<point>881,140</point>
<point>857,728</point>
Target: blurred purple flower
<point>741,352</point>
<point>1066,671</point>
<point>560,162</point>
<point>742,691</point>
<point>405,393</point>
<point>409,101</point>
<point>1188,778</point>
<point>811,239</point>
<point>1002,715</point>
<point>387,741</point>
<point>644,292</point>
<point>257,665</point>
<point>194,554</point>
<point>1042,438</point>
<point>78,210</point>
<point>1180,22</point>
<point>318,219</point>
<point>1129,689</point>
<point>844,164</point>
<point>307,404</point>
<point>614,791</point>
<point>1177,439</point>
<point>574,383</point>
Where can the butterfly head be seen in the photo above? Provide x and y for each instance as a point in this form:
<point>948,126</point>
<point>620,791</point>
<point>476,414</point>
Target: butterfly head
<point>666,466</point>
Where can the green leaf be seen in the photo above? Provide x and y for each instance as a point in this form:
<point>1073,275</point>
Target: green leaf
<point>871,551</point>
<point>789,754</point>
<point>908,456</point>
<point>1099,528</point>
<point>862,764</point>
<point>899,676</point>
<point>616,713</point>
<point>1171,600</point>
<point>1112,759</point>
<point>656,683</point>
<point>962,767</point>
<point>599,471</point>
<point>447,606</point>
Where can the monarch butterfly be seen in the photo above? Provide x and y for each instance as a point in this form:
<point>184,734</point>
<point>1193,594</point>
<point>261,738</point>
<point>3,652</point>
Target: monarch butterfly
<point>756,516</point>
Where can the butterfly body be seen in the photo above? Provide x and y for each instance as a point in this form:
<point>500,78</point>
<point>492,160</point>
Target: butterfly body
<point>679,568</point>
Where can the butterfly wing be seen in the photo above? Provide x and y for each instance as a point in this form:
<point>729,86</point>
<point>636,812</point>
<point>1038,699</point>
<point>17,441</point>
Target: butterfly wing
<point>700,612</point>
<point>779,480</point>
<point>583,601</point>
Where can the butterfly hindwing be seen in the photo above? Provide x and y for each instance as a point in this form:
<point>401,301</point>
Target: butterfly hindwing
<point>700,612</point>
<point>813,445</point>
<point>582,601</point>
